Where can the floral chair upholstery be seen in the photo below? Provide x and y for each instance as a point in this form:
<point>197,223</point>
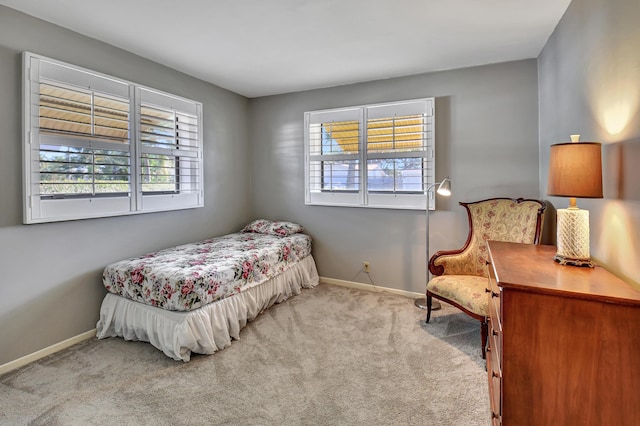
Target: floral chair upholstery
<point>461,276</point>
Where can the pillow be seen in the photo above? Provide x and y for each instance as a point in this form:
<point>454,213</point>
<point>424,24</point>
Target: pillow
<point>260,226</point>
<point>279,228</point>
<point>284,228</point>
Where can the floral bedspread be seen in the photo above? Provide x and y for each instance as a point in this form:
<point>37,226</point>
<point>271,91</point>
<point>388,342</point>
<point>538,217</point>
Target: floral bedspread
<point>187,277</point>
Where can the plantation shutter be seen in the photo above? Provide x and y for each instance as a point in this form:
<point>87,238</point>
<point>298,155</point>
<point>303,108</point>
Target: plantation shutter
<point>79,141</point>
<point>84,143</point>
<point>170,150</point>
<point>333,146</point>
<point>400,145</point>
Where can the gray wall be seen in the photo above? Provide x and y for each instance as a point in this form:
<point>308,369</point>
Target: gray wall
<point>589,84</point>
<point>486,141</point>
<point>587,81</point>
<point>50,274</point>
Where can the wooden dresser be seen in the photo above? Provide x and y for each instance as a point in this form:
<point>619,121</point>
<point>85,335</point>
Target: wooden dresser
<point>564,341</point>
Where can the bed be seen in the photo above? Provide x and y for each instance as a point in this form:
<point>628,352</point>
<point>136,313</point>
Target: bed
<point>195,298</point>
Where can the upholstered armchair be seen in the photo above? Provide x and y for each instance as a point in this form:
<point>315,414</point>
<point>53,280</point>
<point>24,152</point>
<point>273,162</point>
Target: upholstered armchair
<point>461,276</point>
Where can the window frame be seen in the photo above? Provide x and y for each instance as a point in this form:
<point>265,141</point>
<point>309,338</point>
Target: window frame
<point>43,207</point>
<point>363,197</point>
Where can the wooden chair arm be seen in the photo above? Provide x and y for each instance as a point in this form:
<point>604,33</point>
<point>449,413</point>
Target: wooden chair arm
<point>453,260</point>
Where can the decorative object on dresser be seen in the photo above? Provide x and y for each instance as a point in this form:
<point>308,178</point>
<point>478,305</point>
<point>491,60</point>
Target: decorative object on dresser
<point>575,171</point>
<point>565,342</point>
<point>444,189</point>
<point>462,274</point>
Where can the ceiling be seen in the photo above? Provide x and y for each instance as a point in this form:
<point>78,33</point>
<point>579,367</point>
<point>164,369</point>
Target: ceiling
<point>259,47</point>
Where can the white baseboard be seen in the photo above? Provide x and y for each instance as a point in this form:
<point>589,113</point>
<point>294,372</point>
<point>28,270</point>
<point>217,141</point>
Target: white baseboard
<point>20,362</point>
<point>370,287</point>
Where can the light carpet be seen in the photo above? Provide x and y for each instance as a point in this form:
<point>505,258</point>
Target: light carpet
<point>330,356</point>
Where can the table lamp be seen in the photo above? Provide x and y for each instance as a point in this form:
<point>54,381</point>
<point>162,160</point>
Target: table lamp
<point>575,171</point>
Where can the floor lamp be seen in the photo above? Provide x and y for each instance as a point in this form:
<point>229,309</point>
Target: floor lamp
<point>444,189</point>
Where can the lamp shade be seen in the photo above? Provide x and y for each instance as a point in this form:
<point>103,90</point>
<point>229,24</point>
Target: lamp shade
<point>445,187</point>
<point>575,170</point>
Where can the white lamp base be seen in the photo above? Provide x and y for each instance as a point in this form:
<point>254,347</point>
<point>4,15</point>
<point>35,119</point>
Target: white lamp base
<point>573,238</point>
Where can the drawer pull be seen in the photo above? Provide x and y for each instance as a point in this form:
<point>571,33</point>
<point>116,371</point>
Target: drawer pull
<point>494,332</point>
<point>494,415</point>
<point>494,294</point>
<point>494,374</point>
<point>486,290</point>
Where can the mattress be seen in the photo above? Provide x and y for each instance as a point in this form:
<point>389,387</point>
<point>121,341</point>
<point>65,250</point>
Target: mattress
<point>187,277</point>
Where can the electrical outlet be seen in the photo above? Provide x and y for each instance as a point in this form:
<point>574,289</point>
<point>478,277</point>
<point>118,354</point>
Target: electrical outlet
<point>365,267</point>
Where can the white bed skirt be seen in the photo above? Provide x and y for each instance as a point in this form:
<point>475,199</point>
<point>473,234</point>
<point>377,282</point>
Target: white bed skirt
<point>206,329</point>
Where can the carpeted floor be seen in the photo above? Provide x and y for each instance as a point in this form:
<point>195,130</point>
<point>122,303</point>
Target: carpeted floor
<point>330,356</point>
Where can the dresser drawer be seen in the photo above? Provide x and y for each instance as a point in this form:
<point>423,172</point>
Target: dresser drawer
<point>495,381</point>
<point>493,292</point>
<point>495,342</point>
<point>494,354</point>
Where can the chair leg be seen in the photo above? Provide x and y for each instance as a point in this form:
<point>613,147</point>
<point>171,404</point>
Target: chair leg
<point>429,302</point>
<point>484,331</point>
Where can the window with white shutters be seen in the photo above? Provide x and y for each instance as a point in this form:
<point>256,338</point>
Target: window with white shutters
<point>394,140</point>
<point>93,148</point>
